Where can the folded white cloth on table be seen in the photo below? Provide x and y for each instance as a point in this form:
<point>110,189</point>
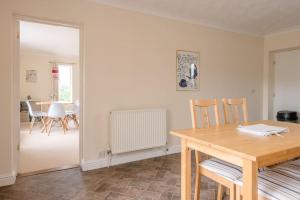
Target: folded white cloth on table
<point>262,129</point>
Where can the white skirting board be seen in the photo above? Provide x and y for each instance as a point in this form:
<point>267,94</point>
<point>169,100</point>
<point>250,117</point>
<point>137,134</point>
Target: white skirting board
<point>7,179</point>
<point>129,157</point>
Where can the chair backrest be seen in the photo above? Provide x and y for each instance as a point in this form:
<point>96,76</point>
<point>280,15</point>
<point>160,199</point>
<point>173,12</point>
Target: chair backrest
<point>29,108</point>
<point>231,110</point>
<point>56,110</point>
<point>204,106</point>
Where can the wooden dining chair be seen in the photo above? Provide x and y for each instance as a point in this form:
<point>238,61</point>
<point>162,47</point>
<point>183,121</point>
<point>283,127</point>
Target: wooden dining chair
<point>232,112</point>
<point>273,182</point>
<point>281,182</point>
<point>220,171</point>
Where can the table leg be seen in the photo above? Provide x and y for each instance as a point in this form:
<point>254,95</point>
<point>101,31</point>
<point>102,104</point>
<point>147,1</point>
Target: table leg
<point>185,171</point>
<point>249,180</point>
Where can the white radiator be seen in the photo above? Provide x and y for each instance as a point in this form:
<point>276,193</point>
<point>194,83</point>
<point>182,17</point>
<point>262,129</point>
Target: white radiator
<point>133,130</point>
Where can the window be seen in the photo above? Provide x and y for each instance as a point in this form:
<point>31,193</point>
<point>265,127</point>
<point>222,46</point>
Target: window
<point>65,82</point>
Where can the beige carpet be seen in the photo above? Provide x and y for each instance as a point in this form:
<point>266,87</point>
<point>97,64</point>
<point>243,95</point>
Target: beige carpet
<point>38,151</point>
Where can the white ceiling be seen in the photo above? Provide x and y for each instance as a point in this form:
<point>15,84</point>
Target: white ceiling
<point>257,17</point>
<point>49,39</point>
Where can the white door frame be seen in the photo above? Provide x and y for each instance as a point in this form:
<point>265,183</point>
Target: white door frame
<point>271,79</point>
<point>15,95</point>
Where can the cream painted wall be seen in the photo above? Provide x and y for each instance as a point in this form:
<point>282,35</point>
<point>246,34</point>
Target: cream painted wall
<point>5,88</point>
<point>42,89</point>
<point>130,63</point>
<point>272,44</point>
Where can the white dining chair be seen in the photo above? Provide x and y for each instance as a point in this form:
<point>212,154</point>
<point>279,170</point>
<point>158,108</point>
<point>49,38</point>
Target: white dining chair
<point>73,114</point>
<point>56,113</point>
<point>35,115</point>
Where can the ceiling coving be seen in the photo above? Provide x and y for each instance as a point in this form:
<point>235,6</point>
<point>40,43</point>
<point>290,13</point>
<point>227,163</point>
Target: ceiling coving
<point>256,17</point>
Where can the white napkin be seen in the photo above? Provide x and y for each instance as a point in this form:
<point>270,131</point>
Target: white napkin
<point>263,129</point>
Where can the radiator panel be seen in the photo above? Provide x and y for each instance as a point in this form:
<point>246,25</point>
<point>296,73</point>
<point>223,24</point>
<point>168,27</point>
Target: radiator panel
<point>134,130</point>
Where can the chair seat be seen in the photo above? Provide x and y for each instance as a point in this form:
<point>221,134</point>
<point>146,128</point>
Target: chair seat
<point>290,167</point>
<point>227,170</point>
<point>70,112</point>
<point>276,184</point>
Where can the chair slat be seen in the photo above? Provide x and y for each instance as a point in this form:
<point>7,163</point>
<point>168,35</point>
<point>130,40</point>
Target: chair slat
<point>233,106</point>
<point>204,106</point>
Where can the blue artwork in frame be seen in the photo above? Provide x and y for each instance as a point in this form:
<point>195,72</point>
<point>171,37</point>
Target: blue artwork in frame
<point>187,70</point>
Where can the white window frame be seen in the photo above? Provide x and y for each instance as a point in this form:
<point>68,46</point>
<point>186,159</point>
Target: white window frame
<point>71,79</point>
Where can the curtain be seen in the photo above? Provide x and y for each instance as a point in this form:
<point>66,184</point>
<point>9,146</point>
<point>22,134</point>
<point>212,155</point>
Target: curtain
<point>55,79</point>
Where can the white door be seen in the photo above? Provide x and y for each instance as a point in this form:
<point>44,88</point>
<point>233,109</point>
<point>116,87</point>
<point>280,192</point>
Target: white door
<point>287,81</point>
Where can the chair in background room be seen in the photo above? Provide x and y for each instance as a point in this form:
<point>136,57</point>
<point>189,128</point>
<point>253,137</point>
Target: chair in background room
<point>73,114</point>
<point>220,171</point>
<point>35,115</point>
<point>56,113</point>
<point>231,110</point>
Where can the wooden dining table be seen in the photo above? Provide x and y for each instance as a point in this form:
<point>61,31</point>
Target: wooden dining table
<point>243,149</point>
<point>50,102</point>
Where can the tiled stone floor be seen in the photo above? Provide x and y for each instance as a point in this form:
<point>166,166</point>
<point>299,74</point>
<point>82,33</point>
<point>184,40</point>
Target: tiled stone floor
<point>152,179</point>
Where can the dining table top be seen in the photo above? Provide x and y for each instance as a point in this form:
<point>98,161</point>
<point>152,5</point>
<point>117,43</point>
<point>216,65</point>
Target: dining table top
<point>50,102</point>
<point>228,139</point>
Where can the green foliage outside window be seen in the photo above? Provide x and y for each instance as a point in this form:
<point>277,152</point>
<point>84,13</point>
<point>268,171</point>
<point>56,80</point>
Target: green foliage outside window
<point>65,93</point>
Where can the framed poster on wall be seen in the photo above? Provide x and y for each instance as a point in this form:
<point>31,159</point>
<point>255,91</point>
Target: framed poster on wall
<point>187,70</point>
<point>31,76</point>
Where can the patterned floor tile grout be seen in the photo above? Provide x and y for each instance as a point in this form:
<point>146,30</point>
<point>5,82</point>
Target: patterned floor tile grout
<point>152,179</point>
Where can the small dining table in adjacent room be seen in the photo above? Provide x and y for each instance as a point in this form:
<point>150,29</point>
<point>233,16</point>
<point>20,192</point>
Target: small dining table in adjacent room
<point>245,150</point>
<point>48,103</point>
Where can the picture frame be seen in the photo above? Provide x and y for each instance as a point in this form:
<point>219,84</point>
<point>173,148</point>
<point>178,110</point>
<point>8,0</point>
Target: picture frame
<point>31,76</point>
<point>187,70</point>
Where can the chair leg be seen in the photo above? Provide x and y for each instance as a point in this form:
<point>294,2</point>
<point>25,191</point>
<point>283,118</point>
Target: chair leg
<point>31,124</point>
<point>232,192</point>
<point>44,121</point>
<point>66,119</point>
<point>46,124</point>
<point>77,121</point>
<point>66,122</point>
<point>74,118</point>
<point>220,192</point>
<point>197,184</point>
<point>238,193</point>
<point>63,124</point>
<point>50,126</point>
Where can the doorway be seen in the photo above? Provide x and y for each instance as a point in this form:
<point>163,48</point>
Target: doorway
<point>285,82</point>
<point>49,96</point>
